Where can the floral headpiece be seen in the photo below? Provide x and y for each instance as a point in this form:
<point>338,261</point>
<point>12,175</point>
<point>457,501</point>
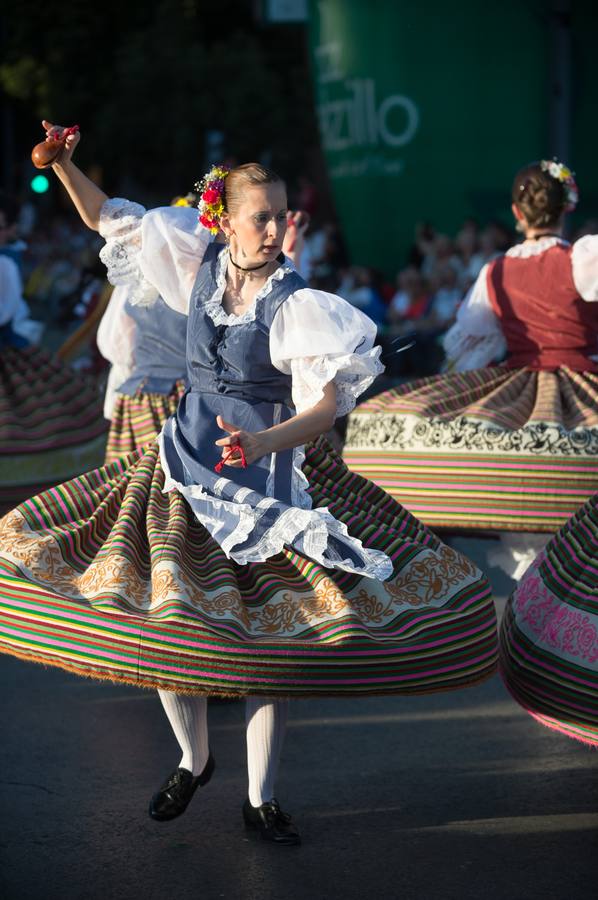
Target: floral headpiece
<point>211,204</point>
<point>563,174</point>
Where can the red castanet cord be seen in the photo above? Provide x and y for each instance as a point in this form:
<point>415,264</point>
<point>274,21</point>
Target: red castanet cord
<point>66,132</point>
<point>230,453</point>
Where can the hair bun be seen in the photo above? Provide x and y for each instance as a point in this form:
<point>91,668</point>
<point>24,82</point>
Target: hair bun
<point>541,198</point>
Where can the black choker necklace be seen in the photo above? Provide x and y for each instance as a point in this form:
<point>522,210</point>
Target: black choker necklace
<point>538,237</point>
<point>248,268</point>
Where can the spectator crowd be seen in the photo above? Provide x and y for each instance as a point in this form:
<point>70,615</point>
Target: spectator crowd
<point>64,279</point>
<point>413,313</point>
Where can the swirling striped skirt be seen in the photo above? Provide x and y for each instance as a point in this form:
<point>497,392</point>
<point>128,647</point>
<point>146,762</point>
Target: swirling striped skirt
<point>51,423</point>
<point>137,420</point>
<point>110,577</point>
<point>495,449</point>
<point>549,634</point>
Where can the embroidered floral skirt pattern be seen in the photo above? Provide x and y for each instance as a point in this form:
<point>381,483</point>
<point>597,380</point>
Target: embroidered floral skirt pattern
<point>137,420</point>
<point>110,577</point>
<point>51,423</point>
<point>494,449</point>
<point>549,635</point>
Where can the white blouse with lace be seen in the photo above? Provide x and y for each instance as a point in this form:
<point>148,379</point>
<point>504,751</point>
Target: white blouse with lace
<point>476,338</point>
<point>316,337</point>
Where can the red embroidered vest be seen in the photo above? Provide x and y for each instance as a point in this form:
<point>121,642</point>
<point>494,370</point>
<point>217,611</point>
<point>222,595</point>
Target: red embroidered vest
<point>545,322</point>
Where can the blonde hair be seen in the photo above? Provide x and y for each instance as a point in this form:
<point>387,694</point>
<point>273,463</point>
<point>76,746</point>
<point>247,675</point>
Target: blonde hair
<point>240,178</point>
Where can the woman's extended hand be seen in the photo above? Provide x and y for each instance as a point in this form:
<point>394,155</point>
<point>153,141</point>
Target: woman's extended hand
<point>253,443</point>
<point>56,131</point>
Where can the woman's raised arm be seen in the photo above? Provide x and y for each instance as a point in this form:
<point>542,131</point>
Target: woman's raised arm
<point>86,196</point>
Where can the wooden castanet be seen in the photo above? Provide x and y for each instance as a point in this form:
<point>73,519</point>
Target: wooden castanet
<point>46,153</point>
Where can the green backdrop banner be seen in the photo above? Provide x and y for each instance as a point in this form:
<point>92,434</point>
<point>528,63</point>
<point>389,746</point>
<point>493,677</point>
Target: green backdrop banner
<point>426,111</point>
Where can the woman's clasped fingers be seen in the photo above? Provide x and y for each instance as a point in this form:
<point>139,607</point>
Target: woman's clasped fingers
<point>227,426</point>
<point>233,439</point>
<point>52,131</point>
<point>55,132</point>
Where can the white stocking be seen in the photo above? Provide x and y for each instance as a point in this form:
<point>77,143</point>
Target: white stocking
<point>188,718</point>
<point>266,724</point>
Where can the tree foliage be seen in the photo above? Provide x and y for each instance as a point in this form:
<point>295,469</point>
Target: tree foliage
<point>147,81</point>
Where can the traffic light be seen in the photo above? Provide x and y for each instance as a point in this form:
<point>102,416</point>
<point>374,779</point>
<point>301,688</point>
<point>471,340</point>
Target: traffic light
<point>39,184</point>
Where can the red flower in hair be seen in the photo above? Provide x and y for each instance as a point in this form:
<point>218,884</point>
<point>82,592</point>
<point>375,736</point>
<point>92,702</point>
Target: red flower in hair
<point>210,196</point>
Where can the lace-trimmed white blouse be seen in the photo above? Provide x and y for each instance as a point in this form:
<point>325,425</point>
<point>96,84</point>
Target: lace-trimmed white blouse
<point>476,338</point>
<point>315,337</point>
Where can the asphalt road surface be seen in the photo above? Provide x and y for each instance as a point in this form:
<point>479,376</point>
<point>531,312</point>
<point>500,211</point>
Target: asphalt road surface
<point>447,797</point>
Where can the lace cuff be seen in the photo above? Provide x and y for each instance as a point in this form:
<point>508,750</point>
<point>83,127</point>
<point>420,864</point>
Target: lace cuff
<point>351,373</point>
<point>318,338</point>
<point>120,226</point>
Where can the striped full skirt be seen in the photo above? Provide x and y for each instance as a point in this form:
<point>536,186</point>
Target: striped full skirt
<point>51,423</point>
<point>549,634</point>
<point>137,420</point>
<point>110,577</point>
<point>496,449</point>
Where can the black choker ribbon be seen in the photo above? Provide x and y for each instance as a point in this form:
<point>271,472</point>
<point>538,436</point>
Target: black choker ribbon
<point>279,258</point>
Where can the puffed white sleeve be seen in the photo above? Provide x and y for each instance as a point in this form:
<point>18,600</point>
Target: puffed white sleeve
<point>155,253</point>
<point>476,338</point>
<point>116,338</point>
<point>584,264</point>
<point>317,338</point>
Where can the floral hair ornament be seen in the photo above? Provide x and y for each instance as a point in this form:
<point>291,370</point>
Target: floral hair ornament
<point>563,174</point>
<point>211,203</point>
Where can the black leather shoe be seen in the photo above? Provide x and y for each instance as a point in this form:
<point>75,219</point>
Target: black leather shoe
<point>175,794</point>
<point>270,822</point>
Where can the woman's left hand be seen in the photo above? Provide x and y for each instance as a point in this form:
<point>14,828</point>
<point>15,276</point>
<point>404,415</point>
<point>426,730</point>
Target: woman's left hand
<point>294,239</point>
<point>253,443</point>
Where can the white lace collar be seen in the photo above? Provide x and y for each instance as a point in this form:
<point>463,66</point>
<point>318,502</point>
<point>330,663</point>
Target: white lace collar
<point>534,248</point>
<point>214,307</point>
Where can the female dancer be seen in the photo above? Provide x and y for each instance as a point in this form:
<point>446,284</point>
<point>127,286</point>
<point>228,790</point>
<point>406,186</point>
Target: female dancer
<point>234,557</point>
<point>146,347</point>
<point>511,447</point>
<point>51,424</point>
<point>549,633</point>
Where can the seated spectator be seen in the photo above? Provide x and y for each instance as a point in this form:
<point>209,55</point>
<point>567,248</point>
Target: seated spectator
<point>488,249</point>
<point>442,252</point>
<point>467,246</point>
<point>358,288</point>
<point>446,298</point>
<point>422,247</point>
<point>411,301</point>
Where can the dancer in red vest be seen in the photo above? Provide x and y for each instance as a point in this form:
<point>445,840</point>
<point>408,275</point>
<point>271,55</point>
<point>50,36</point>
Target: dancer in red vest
<point>510,447</point>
